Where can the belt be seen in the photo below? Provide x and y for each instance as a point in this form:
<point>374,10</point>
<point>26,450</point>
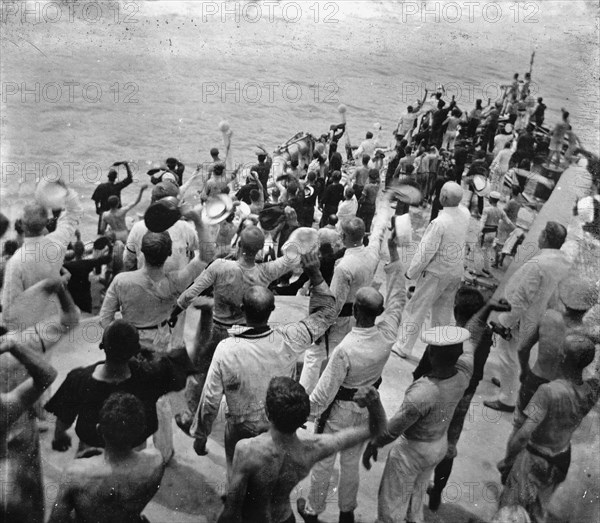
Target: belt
<point>343,394</point>
<point>162,324</point>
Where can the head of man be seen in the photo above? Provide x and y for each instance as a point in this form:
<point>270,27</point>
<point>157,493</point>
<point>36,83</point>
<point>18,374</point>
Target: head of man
<point>214,153</point>
<point>366,159</point>
<point>252,240</point>
<point>219,169</point>
<point>156,248</point>
<point>311,177</point>
<point>451,194</point>
<point>578,352</point>
<point>332,220</point>
<point>254,196</point>
<point>261,157</point>
<point>368,304</point>
<point>348,193</point>
<point>553,236</point>
<point>79,250</point>
<point>288,405</point>
<point>258,303</point>
<point>120,342</point>
<point>4,223</point>
<point>578,294</point>
<point>336,177</point>
<point>353,232</point>
<point>408,150</point>
<point>35,219</point>
<point>409,109</point>
<point>164,189</point>
<point>369,135</point>
<point>445,345</point>
<point>113,202</point>
<point>122,421</point>
<point>112,175</point>
<point>467,302</point>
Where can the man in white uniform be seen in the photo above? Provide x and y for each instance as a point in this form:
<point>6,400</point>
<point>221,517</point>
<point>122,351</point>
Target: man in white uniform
<point>437,269</point>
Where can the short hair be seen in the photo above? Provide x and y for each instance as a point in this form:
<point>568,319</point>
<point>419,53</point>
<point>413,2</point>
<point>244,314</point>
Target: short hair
<point>113,201</point>
<point>409,109</point>
<point>218,169</point>
<point>348,193</point>
<point>112,174</point>
<point>311,176</point>
<point>369,135</point>
<point>156,248</point>
<point>332,219</point>
<point>10,247</point>
<point>408,149</point>
<point>214,152</point>
<point>258,303</point>
<point>254,195</point>
<point>288,405</point>
<point>579,351</point>
<point>4,223</point>
<point>354,230</point>
<point>366,159</point>
<point>467,302</point>
<point>122,421</point>
<point>556,234</point>
<point>35,219</point>
<point>252,240</point>
<point>261,157</point>
<point>79,248</point>
<point>120,341</point>
<point>336,176</point>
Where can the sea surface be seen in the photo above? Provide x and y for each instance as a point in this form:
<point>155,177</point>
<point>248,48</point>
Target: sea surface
<point>85,84</point>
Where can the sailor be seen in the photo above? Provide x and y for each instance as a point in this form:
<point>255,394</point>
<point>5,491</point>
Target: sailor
<point>529,291</point>
<point>420,426</point>
<point>356,362</point>
<point>488,229</point>
<point>354,270</point>
<point>437,269</point>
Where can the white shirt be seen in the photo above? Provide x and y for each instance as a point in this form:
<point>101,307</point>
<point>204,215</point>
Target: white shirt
<point>184,238</point>
<point>442,248</point>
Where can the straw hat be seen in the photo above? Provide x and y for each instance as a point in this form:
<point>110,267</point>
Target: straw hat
<point>445,336</point>
<point>216,209</point>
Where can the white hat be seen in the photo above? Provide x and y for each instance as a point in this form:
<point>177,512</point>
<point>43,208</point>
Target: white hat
<point>445,335</point>
<point>302,241</point>
<point>495,195</point>
<point>481,185</point>
<point>217,209</point>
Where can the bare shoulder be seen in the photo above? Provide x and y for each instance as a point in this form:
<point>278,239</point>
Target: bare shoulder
<point>252,452</point>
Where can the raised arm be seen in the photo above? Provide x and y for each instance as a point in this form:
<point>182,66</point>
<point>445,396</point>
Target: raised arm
<point>298,336</point>
<point>137,200</point>
<point>396,294</point>
<point>18,400</point>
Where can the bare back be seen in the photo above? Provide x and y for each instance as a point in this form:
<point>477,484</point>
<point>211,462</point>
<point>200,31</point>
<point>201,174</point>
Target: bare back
<point>104,492</point>
<point>274,468</point>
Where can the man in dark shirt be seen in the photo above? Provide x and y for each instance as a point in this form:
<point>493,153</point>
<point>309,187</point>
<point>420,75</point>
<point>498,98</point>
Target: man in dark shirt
<point>525,147</point>
<point>331,197</point>
<point>539,113</point>
<point>263,168</point>
<point>461,155</point>
<point>468,302</point>
<point>79,283</point>
<point>111,188</point>
<point>491,124</point>
<point>145,374</point>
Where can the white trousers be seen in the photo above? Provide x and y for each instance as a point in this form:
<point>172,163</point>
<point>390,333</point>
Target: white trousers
<point>339,419</point>
<point>432,294</point>
<point>509,368</point>
<point>405,478</point>
<point>316,354</point>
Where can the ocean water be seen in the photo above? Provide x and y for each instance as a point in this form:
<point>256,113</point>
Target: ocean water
<point>108,81</point>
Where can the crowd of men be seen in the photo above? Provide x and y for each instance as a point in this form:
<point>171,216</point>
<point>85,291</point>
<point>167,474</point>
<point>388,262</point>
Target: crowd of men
<point>233,266</point>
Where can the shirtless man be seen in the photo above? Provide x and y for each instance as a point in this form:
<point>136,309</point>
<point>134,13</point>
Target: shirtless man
<point>115,217</point>
<point>118,484</point>
<point>577,295</point>
<point>266,468</point>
